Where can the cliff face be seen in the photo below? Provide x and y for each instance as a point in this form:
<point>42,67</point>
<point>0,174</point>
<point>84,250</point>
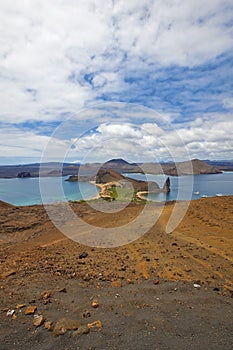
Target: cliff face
<point>105,176</point>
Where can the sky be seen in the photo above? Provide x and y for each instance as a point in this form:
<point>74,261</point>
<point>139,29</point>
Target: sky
<point>88,80</point>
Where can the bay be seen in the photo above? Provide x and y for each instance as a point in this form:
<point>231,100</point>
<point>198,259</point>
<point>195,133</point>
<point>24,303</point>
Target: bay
<point>190,187</point>
<point>27,191</point>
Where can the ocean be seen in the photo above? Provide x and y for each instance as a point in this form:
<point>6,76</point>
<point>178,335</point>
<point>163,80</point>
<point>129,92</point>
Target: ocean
<point>190,187</point>
<point>27,191</point>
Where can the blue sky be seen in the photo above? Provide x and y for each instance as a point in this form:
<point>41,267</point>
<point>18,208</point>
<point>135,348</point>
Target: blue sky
<point>160,70</point>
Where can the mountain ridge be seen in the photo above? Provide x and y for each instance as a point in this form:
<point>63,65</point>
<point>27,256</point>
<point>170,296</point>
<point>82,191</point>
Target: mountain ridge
<point>50,169</point>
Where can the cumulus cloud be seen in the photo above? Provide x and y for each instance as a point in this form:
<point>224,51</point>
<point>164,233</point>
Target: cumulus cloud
<point>151,142</point>
<point>59,57</point>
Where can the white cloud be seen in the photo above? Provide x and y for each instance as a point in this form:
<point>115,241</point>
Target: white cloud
<point>174,31</point>
<point>154,143</point>
<point>60,56</point>
<point>44,42</point>
<point>150,142</point>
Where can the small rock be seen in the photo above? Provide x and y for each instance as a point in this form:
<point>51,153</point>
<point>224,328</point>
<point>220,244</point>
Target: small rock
<point>129,281</point>
<point>82,330</point>
<point>196,285</point>
<point>187,270</point>
<point>48,325</point>
<point>19,306</point>
<point>95,326</point>
<point>116,283</point>
<point>45,295</point>
<point>174,244</point>
<point>86,314</point>
<point>95,304</point>
<point>87,278</point>
<point>156,282</point>
<point>30,310</point>
<point>83,255</point>
<point>65,324</point>
<point>8,273</point>
<point>38,320</point>
<point>216,289</point>
<point>62,290</point>
<point>10,312</point>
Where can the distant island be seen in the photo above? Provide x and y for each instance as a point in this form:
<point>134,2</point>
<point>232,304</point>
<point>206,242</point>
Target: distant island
<point>87,171</point>
<point>115,186</point>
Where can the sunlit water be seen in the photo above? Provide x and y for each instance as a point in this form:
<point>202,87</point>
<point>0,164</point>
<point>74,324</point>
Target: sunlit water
<point>191,187</point>
<point>27,191</point>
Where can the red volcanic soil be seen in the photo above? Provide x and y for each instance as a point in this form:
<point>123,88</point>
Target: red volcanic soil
<point>162,291</point>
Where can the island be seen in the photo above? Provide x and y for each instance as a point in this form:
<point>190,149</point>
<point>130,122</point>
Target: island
<point>56,169</point>
<point>115,186</point>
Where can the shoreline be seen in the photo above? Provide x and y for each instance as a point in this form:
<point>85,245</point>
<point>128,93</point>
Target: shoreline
<point>4,202</point>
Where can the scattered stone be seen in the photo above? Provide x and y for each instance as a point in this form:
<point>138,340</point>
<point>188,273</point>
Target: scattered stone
<point>196,286</point>
<point>45,295</point>
<point>62,290</point>
<point>216,289</point>
<point>95,326</point>
<point>10,312</point>
<point>14,317</point>
<point>116,283</point>
<point>83,255</point>
<point>86,314</point>
<point>129,281</point>
<point>38,320</point>
<point>8,273</point>
<point>95,304</point>
<point>156,282</point>
<point>65,324</point>
<point>19,306</point>
<point>48,325</point>
<point>30,310</point>
<point>87,278</point>
<point>82,330</point>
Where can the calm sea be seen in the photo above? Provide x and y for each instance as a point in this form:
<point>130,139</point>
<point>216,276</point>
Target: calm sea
<point>27,191</point>
<point>191,187</point>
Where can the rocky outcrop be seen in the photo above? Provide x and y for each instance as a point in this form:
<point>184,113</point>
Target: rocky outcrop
<point>23,174</point>
<point>166,187</point>
<point>111,178</point>
<point>105,176</point>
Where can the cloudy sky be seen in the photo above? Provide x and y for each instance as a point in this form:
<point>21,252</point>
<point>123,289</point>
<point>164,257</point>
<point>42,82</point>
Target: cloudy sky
<point>142,80</point>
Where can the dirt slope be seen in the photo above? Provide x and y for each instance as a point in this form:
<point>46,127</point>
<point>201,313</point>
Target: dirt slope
<point>145,289</point>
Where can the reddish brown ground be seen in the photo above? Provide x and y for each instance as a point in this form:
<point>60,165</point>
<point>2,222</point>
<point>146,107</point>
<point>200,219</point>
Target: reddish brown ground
<point>145,289</point>
<point>199,249</point>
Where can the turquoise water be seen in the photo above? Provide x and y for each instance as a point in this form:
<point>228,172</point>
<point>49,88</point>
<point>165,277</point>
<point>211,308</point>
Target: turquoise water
<point>191,187</point>
<point>27,191</point>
